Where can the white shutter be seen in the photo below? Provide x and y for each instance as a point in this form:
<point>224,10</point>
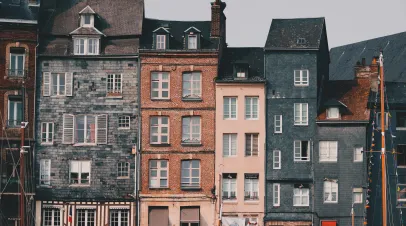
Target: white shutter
<point>68,129</point>
<point>101,129</point>
<point>68,84</point>
<point>85,167</point>
<point>46,88</point>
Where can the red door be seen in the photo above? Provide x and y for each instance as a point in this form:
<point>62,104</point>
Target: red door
<point>328,223</point>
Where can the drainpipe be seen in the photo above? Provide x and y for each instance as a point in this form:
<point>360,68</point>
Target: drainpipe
<point>138,154</point>
<point>266,142</point>
<point>34,120</point>
<point>313,195</point>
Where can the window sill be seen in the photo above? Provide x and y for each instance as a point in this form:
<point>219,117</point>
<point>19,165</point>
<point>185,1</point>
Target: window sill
<point>327,161</point>
<point>47,144</point>
<point>302,206</point>
<point>251,202</point>
<point>57,96</point>
<point>160,145</point>
<point>123,128</point>
<point>166,100</point>
<point>301,85</point>
<point>230,119</point>
<point>252,119</point>
<point>232,201</point>
<point>123,178</point>
<point>400,128</point>
<point>79,185</point>
<point>301,161</point>
<point>254,156</point>
<point>14,77</point>
<point>192,99</point>
<point>114,97</point>
<point>401,167</point>
<point>159,188</point>
<point>191,144</point>
<point>301,125</point>
<point>80,145</point>
<point>330,202</point>
<point>191,188</point>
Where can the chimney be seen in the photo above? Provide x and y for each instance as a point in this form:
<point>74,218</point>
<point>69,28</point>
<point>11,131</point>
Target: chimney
<point>370,72</point>
<point>218,19</point>
<point>363,61</point>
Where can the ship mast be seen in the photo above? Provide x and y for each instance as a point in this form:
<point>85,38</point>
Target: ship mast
<point>383,154</point>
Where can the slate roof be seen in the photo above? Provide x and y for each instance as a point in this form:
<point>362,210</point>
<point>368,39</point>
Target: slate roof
<point>344,58</point>
<point>353,96</point>
<point>177,31</point>
<point>18,12</point>
<point>252,56</point>
<point>284,33</point>
<point>120,23</point>
<point>395,94</point>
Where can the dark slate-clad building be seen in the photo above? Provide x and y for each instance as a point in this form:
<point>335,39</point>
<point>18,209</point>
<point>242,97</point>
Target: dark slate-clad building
<point>18,40</point>
<point>87,107</point>
<point>394,53</point>
<point>296,67</point>
<point>340,174</point>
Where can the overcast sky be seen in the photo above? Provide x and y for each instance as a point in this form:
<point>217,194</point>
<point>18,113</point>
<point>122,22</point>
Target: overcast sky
<point>248,21</point>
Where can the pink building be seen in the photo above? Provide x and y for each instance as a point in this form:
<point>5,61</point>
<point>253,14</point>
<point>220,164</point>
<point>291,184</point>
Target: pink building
<point>240,137</point>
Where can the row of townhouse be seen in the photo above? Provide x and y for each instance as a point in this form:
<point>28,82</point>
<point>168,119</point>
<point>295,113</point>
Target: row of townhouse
<point>138,121</point>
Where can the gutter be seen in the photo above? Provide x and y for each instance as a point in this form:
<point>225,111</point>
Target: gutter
<point>90,57</point>
<point>138,173</point>
<point>290,49</point>
<point>342,122</point>
<point>18,21</point>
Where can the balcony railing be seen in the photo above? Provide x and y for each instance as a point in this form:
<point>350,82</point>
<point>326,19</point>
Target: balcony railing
<point>16,73</point>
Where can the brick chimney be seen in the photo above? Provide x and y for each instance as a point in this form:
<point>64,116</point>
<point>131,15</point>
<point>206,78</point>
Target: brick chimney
<point>218,19</point>
<point>370,72</point>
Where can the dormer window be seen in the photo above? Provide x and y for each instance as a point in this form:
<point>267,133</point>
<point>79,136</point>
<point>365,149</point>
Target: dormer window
<point>87,17</point>
<point>161,42</point>
<point>301,41</point>
<point>241,71</point>
<point>333,113</point>
<point>192,42</point>
<point>86,46</point>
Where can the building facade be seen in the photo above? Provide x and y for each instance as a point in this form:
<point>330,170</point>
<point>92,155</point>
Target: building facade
<point>340,162</point>
<point>87,110</point>
<point>240,137</point>
<point>296,67</point>
<point>179,63</point>
<point>18,40</point>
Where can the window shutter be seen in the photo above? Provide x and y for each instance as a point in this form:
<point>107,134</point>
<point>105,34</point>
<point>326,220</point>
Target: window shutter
<point>47,84</point>
<point>68,129</point>
<point>102,129</point>
<point>68,84</point>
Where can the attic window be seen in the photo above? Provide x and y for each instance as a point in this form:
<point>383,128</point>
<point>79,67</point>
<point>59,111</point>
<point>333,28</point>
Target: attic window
<point>241,70</point>
<point>87,20</point>
<point>301,41</point>
<point>161,42</point>
<point>333,113</point>
<point>192,42</point>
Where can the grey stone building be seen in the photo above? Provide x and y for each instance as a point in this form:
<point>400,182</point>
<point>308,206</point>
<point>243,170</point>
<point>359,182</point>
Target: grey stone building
<point>296,66</point>
<point>343,59</point>
<point>87,109</point>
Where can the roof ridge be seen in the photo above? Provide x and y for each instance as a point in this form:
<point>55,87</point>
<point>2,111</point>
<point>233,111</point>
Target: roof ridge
<point>186,21</point>
<point>300,18</point>
<point>385,36</point>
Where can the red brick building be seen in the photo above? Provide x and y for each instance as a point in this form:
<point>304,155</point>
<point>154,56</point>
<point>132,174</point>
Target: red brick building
<point>179,63</point>
<point>18,41</point>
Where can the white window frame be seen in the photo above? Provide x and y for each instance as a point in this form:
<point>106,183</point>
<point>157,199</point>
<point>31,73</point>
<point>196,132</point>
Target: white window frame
<point>227,104</point>
<point>299,158</point>
<point>227,186</point>
<point>300,193</point>
<point>249,185</point>
<point>330,154</point>
<point>58,86</point>
<point>302,81</point>
<point>303,119</point>
<point>195,79</point>
<point>250,113</point>
<point>357,192</point>
<point>79,179</point>
<point>160,42</point>
<point>15,122</point>
<point>82,21</point>
<point>122,169</point>
<point>333,113</point>
<point>124,122</point>
<point>123,217</point>
<point>114,83</point>
<point>16,69</point>
<point>402,189</point>
<point>45,172</point>
<point>277,157</point>
<point>85,130</point>
<point>358,151</point>
<point>159,132</point>
<point>276,194</point>
<point>187,130</point>
<point>53,216</point>
<point>87,213</point>
<point>159,169</point>
<point>49,136</point>
<point>160,80</point>
<point>192,45</point>
<point>86,46</point>
<point>190,184</point>
<point>48,81</point>
<point>250,137</point>
<point>329,187</point>
<point>278,124</point>
<point>229,151</point>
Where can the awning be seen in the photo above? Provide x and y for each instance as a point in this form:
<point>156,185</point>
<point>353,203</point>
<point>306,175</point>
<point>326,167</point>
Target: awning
<point>232,221</point>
